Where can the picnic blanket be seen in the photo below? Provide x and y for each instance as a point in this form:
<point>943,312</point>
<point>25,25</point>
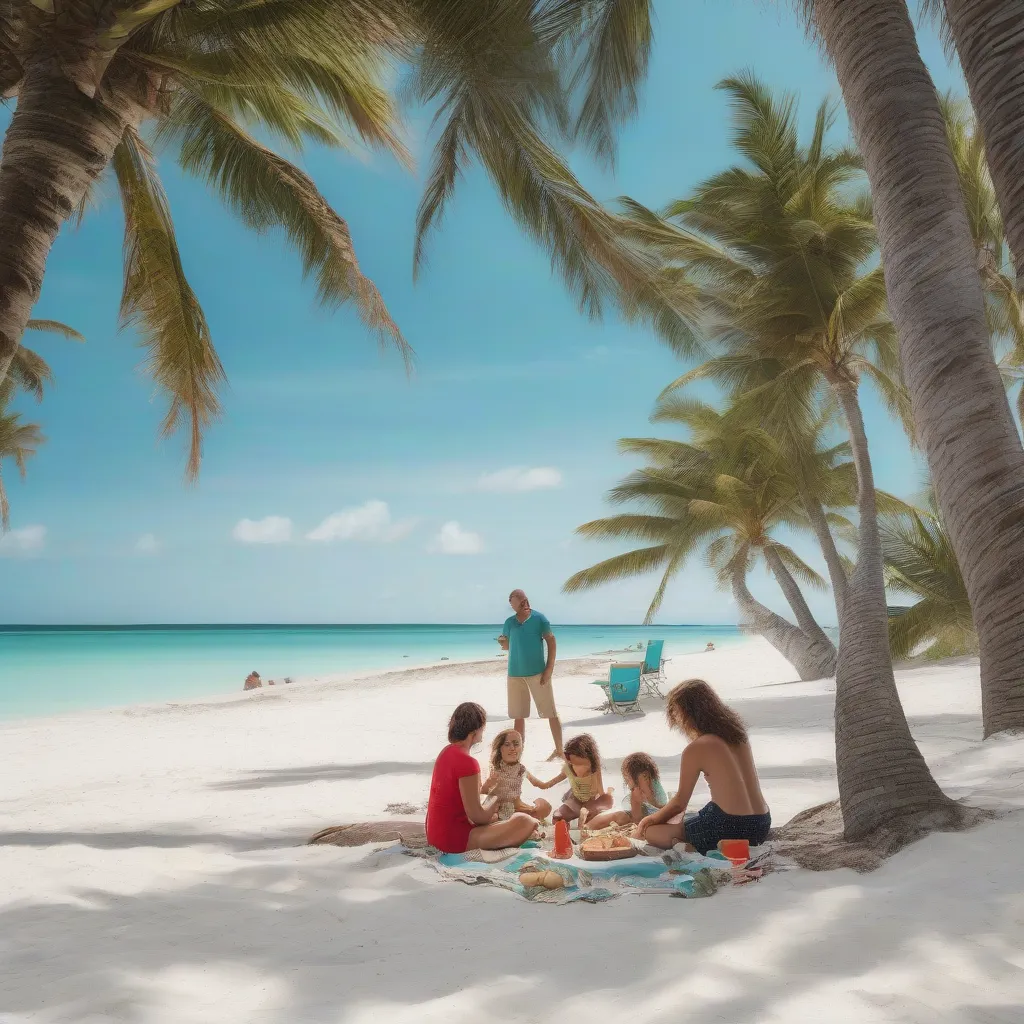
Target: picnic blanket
<point>673,872</point>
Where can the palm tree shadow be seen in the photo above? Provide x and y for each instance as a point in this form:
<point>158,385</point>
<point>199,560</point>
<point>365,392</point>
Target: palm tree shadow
<point>324,934</point>
<point>315,773</point>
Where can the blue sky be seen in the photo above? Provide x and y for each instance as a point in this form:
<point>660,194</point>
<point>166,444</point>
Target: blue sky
<point>428,498</point>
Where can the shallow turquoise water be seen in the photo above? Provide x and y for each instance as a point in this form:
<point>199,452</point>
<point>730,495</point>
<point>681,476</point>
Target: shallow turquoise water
<point>46,670</point>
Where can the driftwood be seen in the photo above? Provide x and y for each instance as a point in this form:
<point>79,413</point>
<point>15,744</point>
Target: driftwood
<point>361,833</point>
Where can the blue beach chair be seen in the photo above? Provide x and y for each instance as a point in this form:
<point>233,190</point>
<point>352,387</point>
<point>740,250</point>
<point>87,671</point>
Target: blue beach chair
<point>623,689</point>
<point>653,671</point>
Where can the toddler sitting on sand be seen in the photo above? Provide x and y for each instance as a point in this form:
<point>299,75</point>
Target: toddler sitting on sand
<point>644,793</point>
<point>582,770</point>
<point>505,781</point>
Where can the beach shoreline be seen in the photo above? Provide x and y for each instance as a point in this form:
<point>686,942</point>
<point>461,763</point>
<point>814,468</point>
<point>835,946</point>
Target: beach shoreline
<point>50,673</point>
<point>155,867</point>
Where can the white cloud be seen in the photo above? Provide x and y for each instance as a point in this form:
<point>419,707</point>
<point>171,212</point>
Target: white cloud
<point>521,478</point>
<point>454,540</point>
<point>147,544</point>
<point>271,530</point>
<point>29,540</point>
<point>369,522</point>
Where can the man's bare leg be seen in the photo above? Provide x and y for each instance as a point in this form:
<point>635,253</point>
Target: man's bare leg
<point>520,727</point>
<point>556,735</point>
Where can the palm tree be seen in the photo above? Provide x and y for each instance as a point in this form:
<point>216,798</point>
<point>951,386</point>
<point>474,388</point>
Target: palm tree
<point>998,278</point>
<point>18,441</point>
<point>89,75</point>
<point>961,414</point>
<point>781,251</point>
<point>919,562</point>
<point>722,492</point>
<point>985,35</point>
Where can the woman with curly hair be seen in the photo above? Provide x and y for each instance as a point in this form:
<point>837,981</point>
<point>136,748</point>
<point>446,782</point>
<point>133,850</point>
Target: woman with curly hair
<point>720,750</point>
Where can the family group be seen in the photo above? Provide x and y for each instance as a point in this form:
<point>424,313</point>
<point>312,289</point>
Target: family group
<point>468,812</point>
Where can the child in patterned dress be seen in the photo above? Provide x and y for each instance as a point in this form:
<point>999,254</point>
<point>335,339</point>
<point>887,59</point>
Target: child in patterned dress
<point>506,778</point>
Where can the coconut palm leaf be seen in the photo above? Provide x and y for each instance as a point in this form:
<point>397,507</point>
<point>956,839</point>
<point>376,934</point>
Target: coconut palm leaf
<point>160,303</point>
<point>630,563</point>
<point>510,81</point>
<point>55,327</point>
<point>799,568</point>
<point>722,491</point>
<point>608,44</point>
<point>28,370</point>
<point>267,191</point>
<point>19,441</point>
<point>919,562</point>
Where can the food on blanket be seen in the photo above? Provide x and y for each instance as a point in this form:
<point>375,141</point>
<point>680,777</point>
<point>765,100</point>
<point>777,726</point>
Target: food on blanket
<point>606,843</point>
<point>547,879</point>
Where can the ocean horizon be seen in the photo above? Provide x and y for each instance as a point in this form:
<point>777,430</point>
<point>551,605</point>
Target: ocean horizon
<point>51,669</point>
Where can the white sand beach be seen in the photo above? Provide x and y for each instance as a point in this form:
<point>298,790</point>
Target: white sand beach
<point>152,870</point>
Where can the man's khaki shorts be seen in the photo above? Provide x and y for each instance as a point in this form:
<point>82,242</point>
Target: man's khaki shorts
<point>521,689</point>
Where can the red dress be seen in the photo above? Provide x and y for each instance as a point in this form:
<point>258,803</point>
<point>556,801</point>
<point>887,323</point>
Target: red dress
<point>447,825</point>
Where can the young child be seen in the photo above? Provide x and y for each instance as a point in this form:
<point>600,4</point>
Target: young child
<point>582,770</point>
<point>644,793</point>
<point>506,778</point>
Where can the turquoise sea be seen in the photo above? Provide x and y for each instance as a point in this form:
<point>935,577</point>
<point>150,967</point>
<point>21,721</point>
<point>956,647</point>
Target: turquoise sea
<point>51,669</point>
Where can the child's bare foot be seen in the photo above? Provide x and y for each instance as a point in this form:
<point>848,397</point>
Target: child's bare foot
<point>555,755</point>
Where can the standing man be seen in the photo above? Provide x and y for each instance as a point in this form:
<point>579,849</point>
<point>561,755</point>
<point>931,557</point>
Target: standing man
<point>525,636</point>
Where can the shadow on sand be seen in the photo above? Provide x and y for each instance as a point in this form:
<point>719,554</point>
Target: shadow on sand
<point>350,936</point>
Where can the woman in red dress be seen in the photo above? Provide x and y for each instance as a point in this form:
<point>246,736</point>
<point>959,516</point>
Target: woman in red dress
<point>457,819</point>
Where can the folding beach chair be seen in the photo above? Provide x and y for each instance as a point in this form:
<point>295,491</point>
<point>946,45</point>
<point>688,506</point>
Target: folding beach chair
<point>623,689</point>
<point>653,671</point>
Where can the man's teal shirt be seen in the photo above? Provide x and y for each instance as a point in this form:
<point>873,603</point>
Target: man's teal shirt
<point>526,654</point>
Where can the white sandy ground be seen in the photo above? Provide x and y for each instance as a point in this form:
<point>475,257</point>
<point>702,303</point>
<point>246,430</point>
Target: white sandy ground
<point>149,872</point>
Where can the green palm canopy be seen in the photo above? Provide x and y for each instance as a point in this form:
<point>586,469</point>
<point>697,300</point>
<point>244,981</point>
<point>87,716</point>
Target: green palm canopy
<point>920,562</point>
<point>225,83</point>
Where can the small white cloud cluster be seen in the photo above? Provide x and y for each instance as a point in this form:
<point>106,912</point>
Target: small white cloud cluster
<point>521,478</point>
<point>454,540</point>
<point>369,523</point>
<point>26,541</point>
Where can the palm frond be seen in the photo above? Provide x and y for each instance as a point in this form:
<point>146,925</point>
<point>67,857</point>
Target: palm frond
<point>30,372</point>
<point>799,569</point>
<point>613,42</point>
<point>268,192</point>
<point>54,327</point>
<point>619,567</point>
<point>160,303</point>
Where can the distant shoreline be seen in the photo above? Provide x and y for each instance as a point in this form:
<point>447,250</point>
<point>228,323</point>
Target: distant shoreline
<point>184,626</point>
<point>52,670</point>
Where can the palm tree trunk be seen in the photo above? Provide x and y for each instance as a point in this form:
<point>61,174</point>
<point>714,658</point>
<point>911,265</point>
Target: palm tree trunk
<point>804,617</point>
<point>58,143</point>
<point>827,543</point>
<point>808,659</point>
<point>960,408</point>
<point>884,782</point>
<point>989,36</point>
